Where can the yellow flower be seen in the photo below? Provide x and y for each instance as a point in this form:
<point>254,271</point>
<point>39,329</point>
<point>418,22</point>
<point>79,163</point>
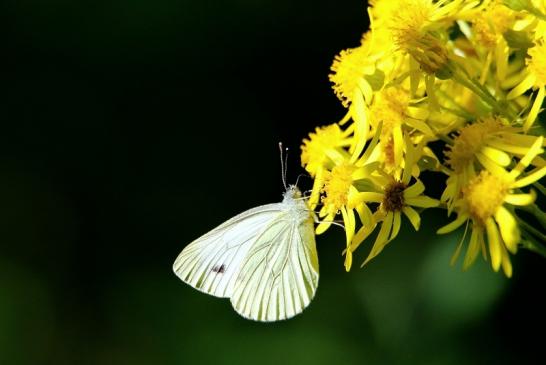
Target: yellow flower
<point>482,205</point>
<point>413,24</point>
<point>342,180</point>
<point>322,151</point>
<point>536,78</point>
<point>396,197</point>
<point>490,23</point>
<point>488,142</point>
<point>391,109</point>
<point>349,71</point>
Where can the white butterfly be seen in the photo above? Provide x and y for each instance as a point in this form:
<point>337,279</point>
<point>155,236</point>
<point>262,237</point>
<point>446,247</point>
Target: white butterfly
<point>264,260</point>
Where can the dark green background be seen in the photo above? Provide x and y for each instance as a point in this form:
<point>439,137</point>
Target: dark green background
<point>130,127</point>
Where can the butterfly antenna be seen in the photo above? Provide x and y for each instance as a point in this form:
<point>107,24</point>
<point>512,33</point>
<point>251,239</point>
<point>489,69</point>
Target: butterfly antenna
<point>284,164</point>
<point>300,175</point>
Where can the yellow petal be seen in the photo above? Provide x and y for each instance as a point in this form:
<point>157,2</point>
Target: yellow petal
<point>522,87</point>
<point>501,158</point>
<point>362,125</point>
<point>382,238</point>
<point>348,260</point>
<point>365,89</point>
<point>324,224</point>
<point>413,217</point>
<point>398,145</point>
<point>473,248</point>
<point>350,226</point>
<point>414,190</point>
<point>365,214</point>
<point>490,165</point>
<point>461,218</point>
<point>508,228</point>
<point>535,150</point>
<point>396,225</point>
<point>361,235</point>
<point>459,247</point>
<point>369,196</point>
<point>420,126</point>
<point>494,243</point>
<point>422,202</point>
<point>535,109</point>
<point>531,178</point>
<point>521,199</point>
<point>501,58</point>
<point>506,264</point>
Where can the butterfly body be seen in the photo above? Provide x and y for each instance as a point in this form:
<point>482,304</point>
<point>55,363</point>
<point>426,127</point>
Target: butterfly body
<point>263,259</point>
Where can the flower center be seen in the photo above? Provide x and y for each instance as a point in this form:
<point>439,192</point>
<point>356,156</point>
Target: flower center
<point>483,195</point>
<point>337,186</point>
<point>389,106</point>
<point>537,63</point>
<point>492,22</point>
<point>408,30</point>
<point>393,201</point>
<point>469,141</point>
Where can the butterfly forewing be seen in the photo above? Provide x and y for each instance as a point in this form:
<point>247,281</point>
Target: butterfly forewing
<point>212,262</point>
<point>279,275</point>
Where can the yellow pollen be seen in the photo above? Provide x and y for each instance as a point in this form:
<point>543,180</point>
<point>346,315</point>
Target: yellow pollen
<point>537,63</point>
<point>469,141</point>
<point>337,186</point>
<point>491,23</point>
<point>348,68</point>
<point>410,18</point>
<point>408,26</point>
<point>313,150</point>
<point>388,152</point>
<point>483,196</point>
<point>390,107</point>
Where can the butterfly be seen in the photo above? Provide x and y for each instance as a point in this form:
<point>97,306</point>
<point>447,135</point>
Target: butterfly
<point>264,260</point>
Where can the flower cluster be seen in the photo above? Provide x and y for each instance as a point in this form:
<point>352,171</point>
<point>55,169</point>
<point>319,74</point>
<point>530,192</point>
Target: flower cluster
<point>467,76</point>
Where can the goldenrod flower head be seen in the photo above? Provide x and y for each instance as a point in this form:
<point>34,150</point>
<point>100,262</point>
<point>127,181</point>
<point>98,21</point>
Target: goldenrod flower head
<point>483,204</point>
<point>396,198</point>
<point>409,19</point>
<point>536,63</point>
<point>433,71</point>
<point>490,23</point>
<point>318,150</point>
<point>409,27</point>
<point>349,69</point>
<point>483,196</point>
<point>336,187</point>
<point>390,107</point>
<point>470,141</point>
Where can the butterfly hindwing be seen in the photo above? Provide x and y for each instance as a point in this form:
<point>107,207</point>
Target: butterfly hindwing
<point>212,262</point>
<point>279,275</point>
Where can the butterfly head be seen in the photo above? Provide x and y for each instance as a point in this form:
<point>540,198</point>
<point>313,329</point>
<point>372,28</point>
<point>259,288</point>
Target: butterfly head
<point>291,193</point>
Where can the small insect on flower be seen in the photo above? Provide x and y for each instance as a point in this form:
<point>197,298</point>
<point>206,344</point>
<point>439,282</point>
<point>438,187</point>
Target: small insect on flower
<point>266,256</point>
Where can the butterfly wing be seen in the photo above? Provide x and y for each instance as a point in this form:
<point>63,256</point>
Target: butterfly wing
<point>279,275</point>
<point>211,262</point>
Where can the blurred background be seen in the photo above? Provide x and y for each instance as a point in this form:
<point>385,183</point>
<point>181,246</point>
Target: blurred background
<point>131,127</point>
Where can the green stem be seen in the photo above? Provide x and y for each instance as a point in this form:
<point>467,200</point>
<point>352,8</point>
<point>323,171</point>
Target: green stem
<point>459,113</point>
<point>540,188</point>
<point>532,230</point>
<point>536,212</point>
<point>446,139</point>
<point>461,76</point>
<point>533,247</point>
